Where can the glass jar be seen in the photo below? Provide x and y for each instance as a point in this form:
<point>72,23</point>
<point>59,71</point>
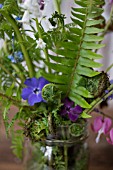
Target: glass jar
<point>67,152</point>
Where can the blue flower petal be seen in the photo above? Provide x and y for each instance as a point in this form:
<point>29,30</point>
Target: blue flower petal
<point>34,98</point>
<point>26,92</point>
<point>32,82</point>
<point>42,82</point>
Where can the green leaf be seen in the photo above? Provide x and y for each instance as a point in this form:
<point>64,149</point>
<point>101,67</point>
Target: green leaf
<point>86,71</point>
<point>93,30</point>
<point>66,53</point>
<point>89,54</point>
<point>80,10</point>
<point>93,22</point>
<point>68,45</point>
<point>54,78</point>
<point>89,63</point>
<point>91,38</point>
<point>82,91</point>
<point>93,46</point>
<point>79,16</point>
<point>95,14</point>
<point>59,67</point>
<point>73,37</point>
<point>79,100</point>
<point>81,3</point>
<point>62,60</point>
<point>9,91</point>
<point>85,115</point>
<point>76,31</point>
<point>78,22</point>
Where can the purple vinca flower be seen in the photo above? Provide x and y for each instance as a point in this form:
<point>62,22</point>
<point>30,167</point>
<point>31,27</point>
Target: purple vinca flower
<point>32,92</point>
<point>69,109</point>
<point>101,126</point>
<point>110,138</point>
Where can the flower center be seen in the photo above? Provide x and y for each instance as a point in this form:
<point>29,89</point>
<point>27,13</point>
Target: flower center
<point>36,91</point>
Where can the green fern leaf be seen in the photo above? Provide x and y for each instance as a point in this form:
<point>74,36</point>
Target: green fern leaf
<point>73,57</point>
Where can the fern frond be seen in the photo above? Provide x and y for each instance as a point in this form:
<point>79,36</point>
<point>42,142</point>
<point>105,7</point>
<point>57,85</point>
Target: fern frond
<point>73,56</point>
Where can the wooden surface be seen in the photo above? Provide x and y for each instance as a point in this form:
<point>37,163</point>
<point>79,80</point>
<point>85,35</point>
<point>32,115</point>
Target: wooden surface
<point>101,155</point>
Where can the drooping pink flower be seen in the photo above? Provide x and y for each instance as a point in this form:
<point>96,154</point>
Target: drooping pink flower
<point>110,138</point>
<point>101,126</point>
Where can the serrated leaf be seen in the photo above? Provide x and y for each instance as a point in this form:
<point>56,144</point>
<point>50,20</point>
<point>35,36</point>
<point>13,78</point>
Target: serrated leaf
<point>73,37</point>
<point>76,31</point>
<point>68,45</point>
<point>62,60</point>
<point>91,38</point>
<point>66,53</point>
<point>54,78</point>
<point>93,22</point>
<point>86,71</point>
<point>93,30</point>
<point>92,46</point>
<point>81,3</point>
<point>89,54</point>
<point>76,21</point>
<point>79,100</point>
<point>89,63</point>
<point>80,10</point>
<point>81,17</point>
<point>94,15</point>
<point>82,91</point>
<point>59,67</point>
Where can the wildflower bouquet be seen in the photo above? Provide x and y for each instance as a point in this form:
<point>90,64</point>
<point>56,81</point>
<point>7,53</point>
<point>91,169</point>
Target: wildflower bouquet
<point>49,74</point>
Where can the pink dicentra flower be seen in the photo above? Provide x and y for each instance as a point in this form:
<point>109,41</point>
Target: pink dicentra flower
<point>110,138</point>
<point>101,126</point>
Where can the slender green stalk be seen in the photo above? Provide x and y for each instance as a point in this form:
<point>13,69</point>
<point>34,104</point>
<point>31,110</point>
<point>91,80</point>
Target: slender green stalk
<point>45,49</point>
<point>109,68</point>
<point>66,157</point>
<point>64,136</point>
<point>57,6</point>
<point>105,115</point>
<point>20,39</point>
<point>14,101</point>
<point>3,68</point>
<point>108,22</point>
<point>19,72</point>
<point>50,123</point>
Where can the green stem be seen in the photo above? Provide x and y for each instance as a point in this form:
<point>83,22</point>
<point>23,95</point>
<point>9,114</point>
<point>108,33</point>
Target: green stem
<point>19,72</point>
<point>99,100</point>
<point>105,115</point>
<point>66,157</point>
<point>108,22</point>
<point>45,49</point>
<point>14,101</point>
<point>3,68</point>
<point>50,123</point>
<point>109,68</point>
<point>57,6</point>
<point>20,39</point>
